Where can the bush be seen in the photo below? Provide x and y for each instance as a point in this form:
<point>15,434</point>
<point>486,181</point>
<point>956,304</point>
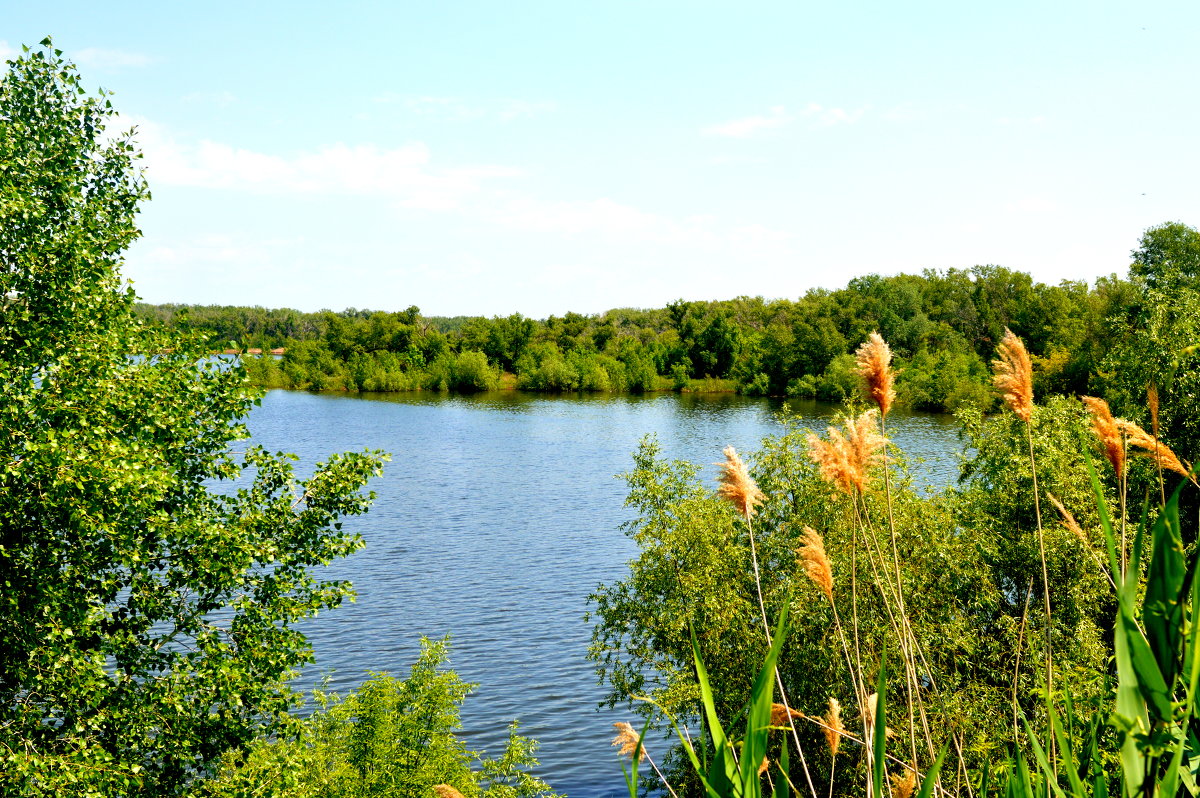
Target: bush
<point>470,373</point>
<point>390,738</point>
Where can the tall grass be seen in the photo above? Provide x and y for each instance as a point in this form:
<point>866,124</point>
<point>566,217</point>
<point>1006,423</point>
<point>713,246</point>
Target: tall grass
<point>1145,742</point>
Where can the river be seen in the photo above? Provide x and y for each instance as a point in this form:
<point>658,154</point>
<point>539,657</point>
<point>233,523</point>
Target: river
<point>497,516</point>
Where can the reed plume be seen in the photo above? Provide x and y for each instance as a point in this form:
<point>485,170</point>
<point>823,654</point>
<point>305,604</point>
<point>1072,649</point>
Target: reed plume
<point>627,738</point>
<point>1136,436</point>
<point>446,791</point>
<point>781,714</point>
<point>833,727</point>
<point>874,359</point>
<point>736,485</point>
<point>816,563</point>
<point>1014,379</point>
<point>903,786</point>
<point>845,461</point>
<point>1014,376</point>
<point>739,489</point>
<point>870,707</point>
<point>1069,520</point>
<point>1108,432</point>
<point>1075,529</point>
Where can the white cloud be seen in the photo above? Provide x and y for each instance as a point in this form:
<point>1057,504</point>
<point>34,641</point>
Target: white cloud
<point>827,117</point>
<point>750,125</point>
<point>455,109</point>
<point>572,218</point>
<point>905,112</point>
<point>615,222</point>
<point>778,116</point>
<point>98,58</point>
<point>405,175</point>
<point>1009,121</point>
<point>7,51</point>
<point>1032,204</point>
<point>221,99</point>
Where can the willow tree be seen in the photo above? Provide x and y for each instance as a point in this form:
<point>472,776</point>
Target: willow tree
<point>151,570</point>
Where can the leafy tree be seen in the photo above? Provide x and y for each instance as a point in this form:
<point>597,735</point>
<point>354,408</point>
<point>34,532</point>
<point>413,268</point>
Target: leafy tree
<point>1156,343</point>
<point>146,621</point>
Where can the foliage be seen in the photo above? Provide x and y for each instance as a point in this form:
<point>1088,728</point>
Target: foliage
<point>146,621</point>
<point>968,562</point>
<point>1157,343</point>
<point>390,738</point>
<point>943,325</point>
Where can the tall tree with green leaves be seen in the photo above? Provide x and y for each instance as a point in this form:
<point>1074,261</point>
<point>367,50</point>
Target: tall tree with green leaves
<point>150,574</point>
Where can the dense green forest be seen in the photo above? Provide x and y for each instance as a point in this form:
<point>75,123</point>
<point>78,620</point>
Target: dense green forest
<point>942,326</point>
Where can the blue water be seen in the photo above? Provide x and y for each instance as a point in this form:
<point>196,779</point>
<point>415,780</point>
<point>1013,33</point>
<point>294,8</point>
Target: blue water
<point>495,519</point>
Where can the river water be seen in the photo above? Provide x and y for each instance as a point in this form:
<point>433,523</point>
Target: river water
<point>495,519</point>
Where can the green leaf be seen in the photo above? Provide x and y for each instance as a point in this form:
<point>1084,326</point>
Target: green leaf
<point>879,732</point>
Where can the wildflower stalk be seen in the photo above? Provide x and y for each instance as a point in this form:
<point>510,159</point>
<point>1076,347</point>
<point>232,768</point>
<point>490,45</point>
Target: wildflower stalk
<point>737,487</point>
<point>631,745</point>
<point>1014,378</point>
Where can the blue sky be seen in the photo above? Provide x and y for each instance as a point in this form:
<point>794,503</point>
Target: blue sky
<point>491,158</point>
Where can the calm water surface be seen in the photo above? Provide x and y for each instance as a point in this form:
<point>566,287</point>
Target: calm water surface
<point>495,519</point>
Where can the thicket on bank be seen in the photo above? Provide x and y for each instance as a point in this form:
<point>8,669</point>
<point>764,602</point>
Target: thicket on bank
<point>942,327</point>
<point>1028,632</point>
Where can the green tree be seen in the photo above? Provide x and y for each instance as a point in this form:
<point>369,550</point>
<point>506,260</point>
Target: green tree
<point>146,621</point>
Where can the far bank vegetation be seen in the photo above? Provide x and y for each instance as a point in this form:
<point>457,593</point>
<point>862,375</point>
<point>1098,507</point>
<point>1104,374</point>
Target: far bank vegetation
<point>942,326</point>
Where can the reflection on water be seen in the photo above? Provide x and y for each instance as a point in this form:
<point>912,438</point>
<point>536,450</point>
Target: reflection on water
<point>497,516</point>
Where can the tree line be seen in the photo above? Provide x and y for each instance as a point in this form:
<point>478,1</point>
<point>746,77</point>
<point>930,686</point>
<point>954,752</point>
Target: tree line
<point>942,325</point>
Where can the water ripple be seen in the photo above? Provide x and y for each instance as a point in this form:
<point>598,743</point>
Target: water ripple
<point>497,517</point>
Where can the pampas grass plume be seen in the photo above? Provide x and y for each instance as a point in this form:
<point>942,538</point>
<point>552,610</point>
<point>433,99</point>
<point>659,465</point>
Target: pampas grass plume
<point>736,485</point>
<point>903,786</point>
<point>1014,376</point>
<point>780,714</point>
<point>1136,436</point>
<point>874,360</point>
<point>627,739</point>
<point>1107,431</point>
<point>1069,520</point>
<point>833,727</point>
<point>845,461</point>
<point>816,562</point>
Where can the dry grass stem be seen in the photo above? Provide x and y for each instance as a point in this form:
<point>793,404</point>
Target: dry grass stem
<point>1152,400</point>
<point>874,359</point>
<point>1014,376</point>
<point>816,563</point>
<point>736,485</point>
<point>627,739</point>
<point>1108,432</point>
<point>833,727</point>
<point>903,786</point>
<point>1136,436</point>
<point>845,461</point>
<point>446,791</point>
